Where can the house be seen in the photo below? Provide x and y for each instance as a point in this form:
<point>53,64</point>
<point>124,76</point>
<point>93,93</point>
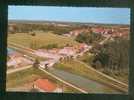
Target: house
<point>83,47</point>
<point>98,30</point>
<point>44,85</point>
<point>78,31</point>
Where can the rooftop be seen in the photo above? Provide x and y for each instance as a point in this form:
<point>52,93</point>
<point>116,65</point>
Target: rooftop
<point>45,85</point>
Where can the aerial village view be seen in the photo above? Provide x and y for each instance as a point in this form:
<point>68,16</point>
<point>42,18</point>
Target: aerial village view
<point>68,50</point>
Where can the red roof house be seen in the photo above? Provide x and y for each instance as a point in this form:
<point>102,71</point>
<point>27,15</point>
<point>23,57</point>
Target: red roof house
<point>44,85</point>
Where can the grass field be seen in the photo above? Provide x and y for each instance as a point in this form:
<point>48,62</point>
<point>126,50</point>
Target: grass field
<point>30,75</point>
<point>40,39</point>
<point>87,58</point>
<point>22,77</point>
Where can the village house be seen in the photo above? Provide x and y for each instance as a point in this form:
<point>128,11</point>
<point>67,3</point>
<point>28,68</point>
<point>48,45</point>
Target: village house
<point>76,32</point>
<point>44,85</point>
<point>98,30</point>
<point>83,47</point>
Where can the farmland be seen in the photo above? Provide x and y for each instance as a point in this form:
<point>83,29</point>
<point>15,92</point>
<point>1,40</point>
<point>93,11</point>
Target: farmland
<point>41,39</point>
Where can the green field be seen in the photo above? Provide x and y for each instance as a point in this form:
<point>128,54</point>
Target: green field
<point>40,39</point>
<point>25,76</point>
<point>30,75</point>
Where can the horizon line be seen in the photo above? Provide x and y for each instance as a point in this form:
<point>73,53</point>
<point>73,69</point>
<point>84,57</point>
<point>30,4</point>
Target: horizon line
<point>60,21</point>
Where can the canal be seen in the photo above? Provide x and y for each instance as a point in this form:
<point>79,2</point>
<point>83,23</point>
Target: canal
<point>90,86</point>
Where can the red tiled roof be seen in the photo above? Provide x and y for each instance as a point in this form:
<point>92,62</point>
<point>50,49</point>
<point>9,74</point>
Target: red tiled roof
<point>45,85</point>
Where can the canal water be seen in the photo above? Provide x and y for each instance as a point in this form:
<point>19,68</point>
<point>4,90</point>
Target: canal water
<point>10,51</point>
<point>84,83</point>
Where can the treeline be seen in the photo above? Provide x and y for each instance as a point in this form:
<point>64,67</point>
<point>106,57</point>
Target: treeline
<point>25,28</point>
<point>113,55</point>
<point>35,45</point>
<point>89,37</point>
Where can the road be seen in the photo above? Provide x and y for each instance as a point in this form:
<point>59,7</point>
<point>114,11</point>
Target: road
<point>18,69</point>
<point>84,83</point>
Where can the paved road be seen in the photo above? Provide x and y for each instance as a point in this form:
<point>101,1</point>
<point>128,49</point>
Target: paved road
<point>18,69</point>
<point>84,83</point>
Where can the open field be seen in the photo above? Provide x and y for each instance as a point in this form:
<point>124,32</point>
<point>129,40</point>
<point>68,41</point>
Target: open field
<point>28,76</point>
<point>40,39</point>
<point>25,76</point>
<point>87,58</point>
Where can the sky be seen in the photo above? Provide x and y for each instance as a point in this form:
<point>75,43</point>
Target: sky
<point>71,14</point>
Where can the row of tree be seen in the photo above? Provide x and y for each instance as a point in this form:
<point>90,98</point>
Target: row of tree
<point>89,37</point>
<point>26,28</point>
<point>113,55</point>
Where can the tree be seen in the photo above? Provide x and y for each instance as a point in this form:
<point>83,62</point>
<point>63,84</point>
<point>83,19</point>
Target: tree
<point>114,55</point>
<point>36,63</point>
<point>33,34</point>
<point>88,37</point>
<point>34,43</point>
<point>50,46</point>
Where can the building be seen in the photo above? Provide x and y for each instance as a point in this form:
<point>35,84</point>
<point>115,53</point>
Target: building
<point>98,30</point>
<point>78,31</point>
<point>44,85</point>
<point>83,47</point>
